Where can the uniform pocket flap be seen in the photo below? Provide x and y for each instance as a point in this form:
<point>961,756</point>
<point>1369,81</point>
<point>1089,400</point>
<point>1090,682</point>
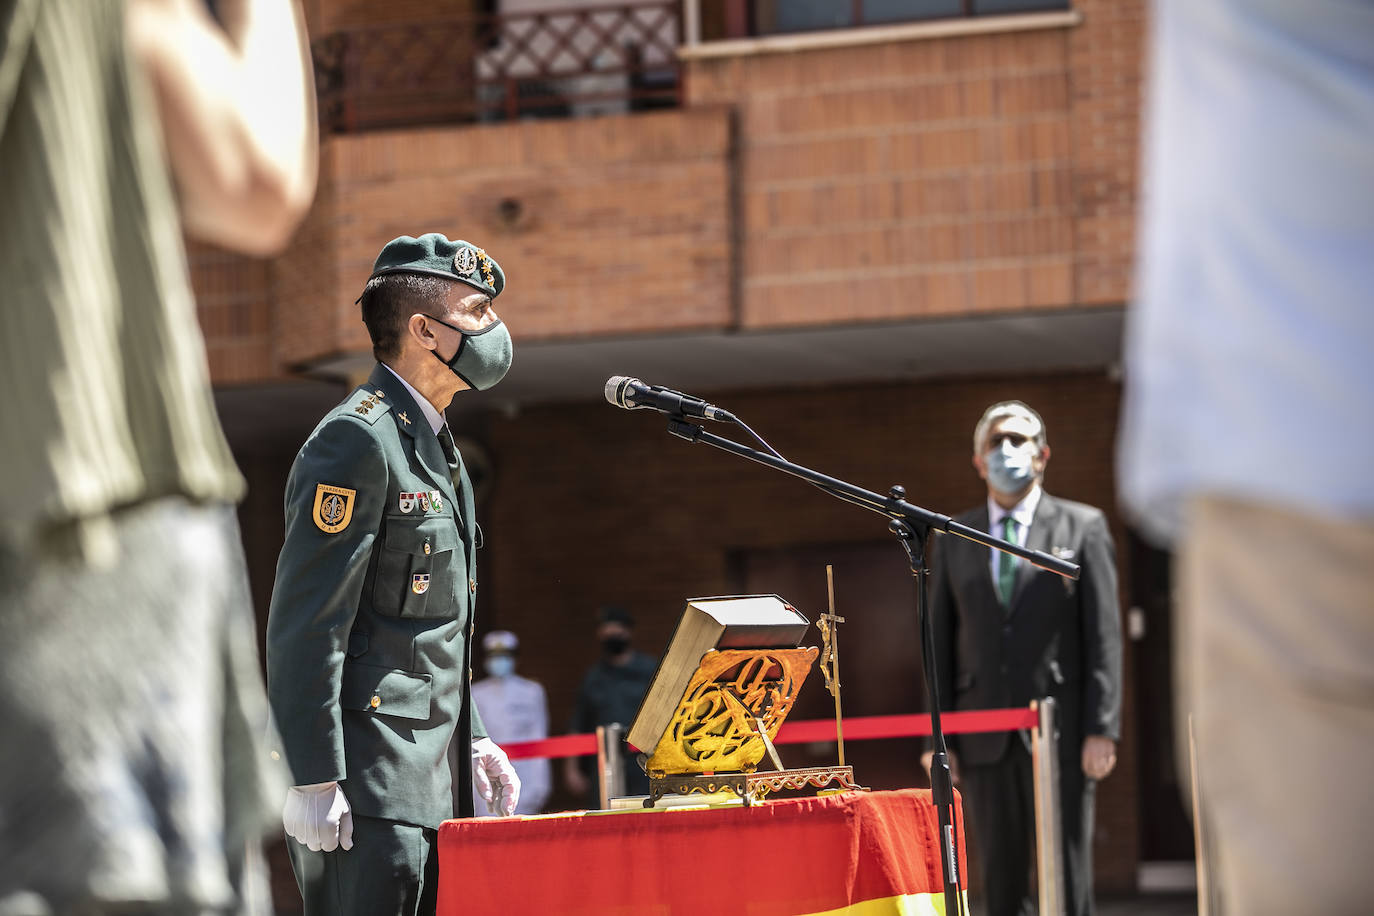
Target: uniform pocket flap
<point>385,691</point>
<point>438,534</point>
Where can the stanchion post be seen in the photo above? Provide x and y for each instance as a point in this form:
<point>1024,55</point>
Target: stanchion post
<point>610,764</point>
<point>1049,848</point>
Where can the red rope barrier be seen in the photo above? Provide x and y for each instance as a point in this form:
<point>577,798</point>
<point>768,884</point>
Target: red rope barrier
<point>863,728</point>
<point>562,746</point>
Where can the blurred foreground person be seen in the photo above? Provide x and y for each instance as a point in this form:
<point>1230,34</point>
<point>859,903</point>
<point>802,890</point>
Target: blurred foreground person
<point>1006,633</point>
<point>131,777</point>
<point>369,649</point>
<point>1246,433</point>
<point>515,708</point>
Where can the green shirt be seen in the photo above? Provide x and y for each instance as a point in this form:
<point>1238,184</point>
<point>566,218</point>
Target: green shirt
<point>105,397</point>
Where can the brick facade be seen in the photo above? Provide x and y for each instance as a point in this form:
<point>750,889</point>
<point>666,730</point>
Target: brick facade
<point>919,178</point>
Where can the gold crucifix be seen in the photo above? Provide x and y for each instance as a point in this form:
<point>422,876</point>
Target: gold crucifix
<point>830,655</point>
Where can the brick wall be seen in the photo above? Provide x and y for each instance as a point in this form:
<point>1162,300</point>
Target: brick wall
<point>234,300</point>
<point>1106,57</point>
<point>938,177</point>
<point>935,177</point>
<point>609,225</point>
<point>324,16</point>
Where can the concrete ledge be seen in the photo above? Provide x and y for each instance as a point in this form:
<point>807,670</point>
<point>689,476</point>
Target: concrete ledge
<point>883,34</point>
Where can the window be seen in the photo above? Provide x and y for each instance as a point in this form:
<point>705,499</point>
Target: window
<point>742,18</point>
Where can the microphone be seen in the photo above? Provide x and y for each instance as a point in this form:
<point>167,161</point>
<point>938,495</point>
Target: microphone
<point>632,394</point>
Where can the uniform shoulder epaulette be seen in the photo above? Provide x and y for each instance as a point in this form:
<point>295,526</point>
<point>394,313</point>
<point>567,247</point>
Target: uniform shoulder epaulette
<point>367,404</point>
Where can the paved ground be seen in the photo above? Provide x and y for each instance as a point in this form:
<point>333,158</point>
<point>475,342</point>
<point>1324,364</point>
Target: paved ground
<point>1149,905</point>
<point>1140,905</point>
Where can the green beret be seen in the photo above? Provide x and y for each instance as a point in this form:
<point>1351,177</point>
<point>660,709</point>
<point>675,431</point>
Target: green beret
<point>433,254</point>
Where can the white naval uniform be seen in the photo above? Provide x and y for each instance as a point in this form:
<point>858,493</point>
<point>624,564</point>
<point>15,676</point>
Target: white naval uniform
<point>516,709</point>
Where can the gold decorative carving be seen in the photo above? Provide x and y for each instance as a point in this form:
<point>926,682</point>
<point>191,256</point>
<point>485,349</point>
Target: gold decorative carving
<point>714,730</point>
<point>751,787</point>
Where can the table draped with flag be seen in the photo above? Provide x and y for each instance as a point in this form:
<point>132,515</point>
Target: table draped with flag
<point>857,853</point>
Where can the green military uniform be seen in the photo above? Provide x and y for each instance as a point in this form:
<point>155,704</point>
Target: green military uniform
<point>368,638</point>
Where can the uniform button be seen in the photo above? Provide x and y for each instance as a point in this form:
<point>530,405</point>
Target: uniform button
<point>472,629</point>
<point>275,756</point>
<point>427,548</point>
<point>472,586</point>
<point>375,701</point>
<point>381,393</point>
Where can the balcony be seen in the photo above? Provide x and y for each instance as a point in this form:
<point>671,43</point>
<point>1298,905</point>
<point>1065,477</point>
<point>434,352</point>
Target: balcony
<point>572,59</point>
<point>564,62</point>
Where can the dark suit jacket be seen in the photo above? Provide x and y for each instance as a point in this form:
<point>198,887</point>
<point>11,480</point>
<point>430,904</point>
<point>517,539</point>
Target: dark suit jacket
<point>1059,638</point>
<point>369,632</point>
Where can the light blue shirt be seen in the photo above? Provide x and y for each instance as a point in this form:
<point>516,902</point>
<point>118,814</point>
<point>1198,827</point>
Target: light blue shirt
<point>1250,347</point>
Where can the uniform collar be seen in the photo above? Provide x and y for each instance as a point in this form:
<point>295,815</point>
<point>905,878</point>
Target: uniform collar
<point>1023,512</point>
<point>435,418</point>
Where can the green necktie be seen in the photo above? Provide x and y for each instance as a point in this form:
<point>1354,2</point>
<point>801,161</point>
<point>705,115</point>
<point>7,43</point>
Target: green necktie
<point>1006,563</point>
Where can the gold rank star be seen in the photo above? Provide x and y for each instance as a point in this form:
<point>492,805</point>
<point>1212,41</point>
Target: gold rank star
<point>486,267</point>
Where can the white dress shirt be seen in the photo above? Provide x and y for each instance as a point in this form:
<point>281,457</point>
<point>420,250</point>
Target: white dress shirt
<point>1023,512</point>
<point>432,414</point>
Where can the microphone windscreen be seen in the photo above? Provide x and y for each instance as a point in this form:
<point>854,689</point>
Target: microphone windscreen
<point>615,389</point>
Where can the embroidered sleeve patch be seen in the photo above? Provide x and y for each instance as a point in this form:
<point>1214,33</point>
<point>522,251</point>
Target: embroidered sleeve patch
<point>333,507</point>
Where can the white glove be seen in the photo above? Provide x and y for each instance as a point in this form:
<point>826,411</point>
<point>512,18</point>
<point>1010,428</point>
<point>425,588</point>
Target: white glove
<point>495,777</point>
<point>318,817</point>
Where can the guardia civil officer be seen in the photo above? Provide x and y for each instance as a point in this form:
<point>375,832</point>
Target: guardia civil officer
<point>368,639</point>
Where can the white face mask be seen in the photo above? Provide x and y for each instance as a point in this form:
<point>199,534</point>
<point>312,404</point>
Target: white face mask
<point>1011,468</point>
<point>500,665</point>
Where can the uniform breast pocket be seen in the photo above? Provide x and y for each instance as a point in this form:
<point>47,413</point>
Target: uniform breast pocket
<point>418,564</point>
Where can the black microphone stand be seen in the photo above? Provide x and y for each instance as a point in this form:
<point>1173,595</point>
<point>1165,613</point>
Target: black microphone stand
<point>912,525</point>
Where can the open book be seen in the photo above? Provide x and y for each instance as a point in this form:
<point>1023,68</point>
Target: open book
<point>737,622</point>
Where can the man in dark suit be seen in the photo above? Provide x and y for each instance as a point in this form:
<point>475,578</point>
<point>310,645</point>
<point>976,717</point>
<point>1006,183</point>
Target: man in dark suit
<point>1006,633</point>
<point>369,634</point>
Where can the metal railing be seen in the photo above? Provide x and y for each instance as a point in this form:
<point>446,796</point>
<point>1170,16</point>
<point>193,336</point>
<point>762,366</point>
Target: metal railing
<point>542,63</point>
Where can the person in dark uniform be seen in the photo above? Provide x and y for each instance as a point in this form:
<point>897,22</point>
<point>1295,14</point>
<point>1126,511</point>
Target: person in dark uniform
<point>1006,633</point>
<point>369,632</point>
<point>610,693</point>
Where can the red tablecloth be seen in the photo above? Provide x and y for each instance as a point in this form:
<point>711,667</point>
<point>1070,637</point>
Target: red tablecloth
<point>866,853</point>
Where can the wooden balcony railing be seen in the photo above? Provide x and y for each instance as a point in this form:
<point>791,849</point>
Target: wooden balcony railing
<point>548,63</point>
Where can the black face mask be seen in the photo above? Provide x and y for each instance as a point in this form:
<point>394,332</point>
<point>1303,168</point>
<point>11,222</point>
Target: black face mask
<point>612,646</point>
